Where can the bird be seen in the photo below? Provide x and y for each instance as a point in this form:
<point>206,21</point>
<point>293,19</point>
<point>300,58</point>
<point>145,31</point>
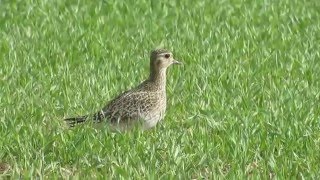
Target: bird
<point>143,105</point>
<point>4,167</point>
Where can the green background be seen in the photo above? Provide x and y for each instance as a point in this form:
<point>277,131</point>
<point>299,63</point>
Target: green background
<point>245,104</point>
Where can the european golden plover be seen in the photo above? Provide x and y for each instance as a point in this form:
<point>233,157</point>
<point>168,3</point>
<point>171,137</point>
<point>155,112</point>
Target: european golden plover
<point>144,104</point>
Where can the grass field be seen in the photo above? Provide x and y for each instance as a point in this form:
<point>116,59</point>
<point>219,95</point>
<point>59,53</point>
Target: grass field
<point>244,105</point>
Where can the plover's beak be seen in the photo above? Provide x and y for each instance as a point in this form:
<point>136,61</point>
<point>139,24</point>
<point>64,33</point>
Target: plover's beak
<point>177,62</point>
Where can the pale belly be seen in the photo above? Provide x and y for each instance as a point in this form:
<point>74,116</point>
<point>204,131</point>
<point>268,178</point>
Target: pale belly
<point>153,118</point>
<point>145,120</point>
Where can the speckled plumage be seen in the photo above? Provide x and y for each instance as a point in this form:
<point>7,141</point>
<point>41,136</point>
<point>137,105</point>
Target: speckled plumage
<point>145,103</point>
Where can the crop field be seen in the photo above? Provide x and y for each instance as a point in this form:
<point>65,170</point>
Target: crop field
<point>245,104</point>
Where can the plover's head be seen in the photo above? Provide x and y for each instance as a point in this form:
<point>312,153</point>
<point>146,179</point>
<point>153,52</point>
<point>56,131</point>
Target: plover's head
<point>161,59</point>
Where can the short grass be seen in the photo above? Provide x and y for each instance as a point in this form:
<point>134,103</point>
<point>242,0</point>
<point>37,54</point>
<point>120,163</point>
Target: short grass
<point>245,104</point>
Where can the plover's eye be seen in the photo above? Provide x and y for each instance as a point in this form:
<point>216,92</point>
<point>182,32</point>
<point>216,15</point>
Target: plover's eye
<point>167,56</point>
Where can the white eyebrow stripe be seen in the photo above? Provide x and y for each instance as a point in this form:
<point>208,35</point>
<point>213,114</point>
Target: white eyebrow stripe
<point>163,54</point>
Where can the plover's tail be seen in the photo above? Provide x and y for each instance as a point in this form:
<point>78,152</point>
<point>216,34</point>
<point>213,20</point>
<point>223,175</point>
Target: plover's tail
<point>96,118</point>
<point>76,120</point>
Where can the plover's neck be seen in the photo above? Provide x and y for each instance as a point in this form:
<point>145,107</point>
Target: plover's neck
<point>158,78</point>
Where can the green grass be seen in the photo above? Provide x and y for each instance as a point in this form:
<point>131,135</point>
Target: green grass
<point>245,104</point>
